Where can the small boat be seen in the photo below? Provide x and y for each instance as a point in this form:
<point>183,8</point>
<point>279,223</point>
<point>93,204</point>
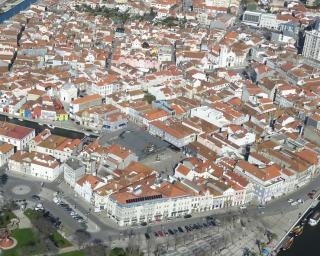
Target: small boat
<point>287,243</point>
<point>307,216</point>
<point>51,126</point>
<point>297,230</point>
<point>10,117</point>
<point>314,219</point>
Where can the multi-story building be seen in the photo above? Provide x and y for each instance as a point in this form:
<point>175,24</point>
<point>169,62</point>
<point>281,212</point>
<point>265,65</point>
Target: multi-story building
<point>6,151</point>
<point>177,134</point>
<point>106,86</point>
<point>222,3</point>
<point>35,164</point>
<point>83,103</point>
<point>54,145</point>
<point>73,170</point>
<point>311,48</point>
<point>16,135</point>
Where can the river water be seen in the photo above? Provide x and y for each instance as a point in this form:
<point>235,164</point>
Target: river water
<point>308,244</point>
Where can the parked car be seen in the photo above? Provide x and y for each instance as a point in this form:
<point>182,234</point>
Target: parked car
<point>147,236</point>
<point>180,230</point>
<point>171,232</point>
<point>242,207</point>
<point>290,200</point>
<point>311,194</point>
<point>187,216</point>
<point>35,197</point>
<point>39,207</point>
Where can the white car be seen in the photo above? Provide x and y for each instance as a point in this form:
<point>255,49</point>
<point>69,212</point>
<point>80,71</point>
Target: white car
<point>73,213</point>
<point>294,203</point>
<point>300,201</point>
<point>242,207</point>
<point>39,207</point>
<point>290,201</point>
<point>56,200</point>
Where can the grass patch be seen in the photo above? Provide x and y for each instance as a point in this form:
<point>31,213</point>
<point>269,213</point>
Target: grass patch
<point>59,240</point>
<point>5,217</point>
<point>74,253</point>
<point>28,243</point>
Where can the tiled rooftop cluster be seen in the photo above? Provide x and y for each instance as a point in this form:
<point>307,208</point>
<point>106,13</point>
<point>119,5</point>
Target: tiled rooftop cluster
<point>238,99</point>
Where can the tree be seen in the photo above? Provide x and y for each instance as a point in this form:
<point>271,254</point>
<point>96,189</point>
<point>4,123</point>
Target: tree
<point>96,250</point>
<point>117,252</point>
<point>44,227</point>
<point>81,237</point>
<point>149,98</point>
<point>3,179</point>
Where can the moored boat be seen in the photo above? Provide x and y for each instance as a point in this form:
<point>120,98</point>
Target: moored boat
<point>314,219</point>
<point>287,243</point>
<point>51,126</point>
<point>307,216</point>
<point>297,230</point>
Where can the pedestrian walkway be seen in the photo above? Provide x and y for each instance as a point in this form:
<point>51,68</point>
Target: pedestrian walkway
<point>24,220</point>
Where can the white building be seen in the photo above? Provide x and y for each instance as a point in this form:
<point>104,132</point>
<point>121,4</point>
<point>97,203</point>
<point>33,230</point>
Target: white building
<point>6,151</point>
<point>73,170</point>
<point>210,115</point>
<point>17,135</point>
<point>105,87</point>
<point>223,3</point>
<point>267,181</point>
<point>311,47</point>
<point>268,20</point>
<point>83,103</point>
<point>35,164</point>
<point>68,93</point>
<point>57,146</point>
<point>177,134</point>
<point>85,186</point>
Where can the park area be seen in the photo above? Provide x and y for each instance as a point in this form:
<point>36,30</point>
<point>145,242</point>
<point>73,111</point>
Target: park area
<point>28,243</point>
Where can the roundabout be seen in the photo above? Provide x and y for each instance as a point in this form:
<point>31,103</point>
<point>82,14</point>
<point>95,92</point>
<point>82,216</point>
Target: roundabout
<point>21,190</point>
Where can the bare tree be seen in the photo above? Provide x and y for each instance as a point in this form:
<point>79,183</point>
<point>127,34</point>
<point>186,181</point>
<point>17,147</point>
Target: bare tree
<point>81,237</point>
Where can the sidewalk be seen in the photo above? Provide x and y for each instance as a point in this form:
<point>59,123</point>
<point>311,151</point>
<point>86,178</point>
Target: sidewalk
<point>24,220</point>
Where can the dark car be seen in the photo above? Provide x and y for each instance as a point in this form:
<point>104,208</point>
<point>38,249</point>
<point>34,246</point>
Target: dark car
<point>187,216</point>
<point>156,234</point>
<point>35,197</point>
<point>144,223</point>
<point>180,229</point>
<point>171,232</point>
<point>147,236</point>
